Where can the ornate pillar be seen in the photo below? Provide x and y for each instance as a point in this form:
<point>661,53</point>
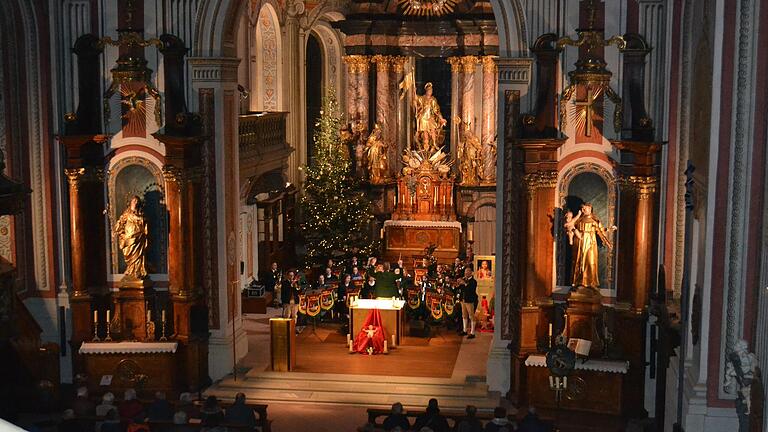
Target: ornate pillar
<point>469,65</point>
<point>353,82</point>
<point>293,64</point>
<point>456,68</point>
<point>384,104</point>
<point>488,133</point>
<point>401,125</point>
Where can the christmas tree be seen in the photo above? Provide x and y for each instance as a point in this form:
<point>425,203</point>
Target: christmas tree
<point>337,215</point>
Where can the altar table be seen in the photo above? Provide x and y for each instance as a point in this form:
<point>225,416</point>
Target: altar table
<point>392,316</point>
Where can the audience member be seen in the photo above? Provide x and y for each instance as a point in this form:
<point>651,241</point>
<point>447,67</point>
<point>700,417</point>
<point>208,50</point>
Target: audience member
<point>432,419</point>
<point>160,409</point>
<point>470,423</point>
<point>111,422</point>
<point>68,422</point>
<point>130,408</point>
<point>82,406</point>
<point>329,276</point>
<point>532,423</point>
<point>356,274</point>
<point>107,404</point>
<point>240,414</point>
<point>181,422</point>
<point>186,404</point>
<point>500,423</point>
<point>211,414</point>
<point>396,419</point>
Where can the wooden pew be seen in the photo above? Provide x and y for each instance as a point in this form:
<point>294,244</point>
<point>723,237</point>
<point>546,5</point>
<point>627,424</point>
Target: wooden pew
<point>453,417</point>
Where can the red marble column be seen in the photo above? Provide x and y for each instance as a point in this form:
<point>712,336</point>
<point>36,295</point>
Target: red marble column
<point>645,189</point>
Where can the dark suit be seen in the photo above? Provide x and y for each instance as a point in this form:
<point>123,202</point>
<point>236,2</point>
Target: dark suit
<point>270,280</point>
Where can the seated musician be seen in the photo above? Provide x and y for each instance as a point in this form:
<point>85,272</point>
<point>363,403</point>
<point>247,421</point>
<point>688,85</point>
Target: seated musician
<point>344,287</point>
<point>371,335</point>
<point>321,283</point>
<point>329,276</point>
<point>355,274</point>
<point>352,264</point>
<point>370,268</point>
<point>369,288</point>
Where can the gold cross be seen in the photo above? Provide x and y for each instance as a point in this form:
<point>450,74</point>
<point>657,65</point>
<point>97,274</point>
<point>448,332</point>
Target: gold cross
<point>588,109</point>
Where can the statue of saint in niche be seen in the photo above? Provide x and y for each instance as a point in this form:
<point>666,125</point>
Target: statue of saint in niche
<point>376,152</point>
<point>469,154</point>
<point>133,239</point>
<point>583,231</point>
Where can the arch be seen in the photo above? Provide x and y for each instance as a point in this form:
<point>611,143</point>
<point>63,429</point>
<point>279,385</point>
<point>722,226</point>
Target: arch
<point>332,46</point>
<point>480,202</point>
<point>267,52</point>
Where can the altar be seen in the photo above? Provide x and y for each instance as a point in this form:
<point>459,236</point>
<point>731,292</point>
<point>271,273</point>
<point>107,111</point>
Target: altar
<point>392,316</point>
<point>410,238</point>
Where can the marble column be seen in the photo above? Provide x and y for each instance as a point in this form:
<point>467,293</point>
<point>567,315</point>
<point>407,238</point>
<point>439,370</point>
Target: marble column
<point>469,65</point>
<point>293,63</point>
<point>645,189</point>
<point>78,233</point>
<point>456,68</point>
<point>352,84</point>
<point>401,125</point>
<point>488,132</point>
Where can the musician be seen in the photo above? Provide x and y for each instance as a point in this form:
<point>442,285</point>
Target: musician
<point>272,277</point>
<point>321,284</point>
<point>466,293</point>
<point>329,276</point>
<point>355,274</point>
<point>345,286</point>
<point>352,264</point>
<point>289,295</point>
<point>385,281</point>
<point>458,268</point>
<point>370,268</point>
<point>369,288</point>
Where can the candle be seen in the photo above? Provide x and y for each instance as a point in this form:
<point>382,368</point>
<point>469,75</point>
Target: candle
<point>550,330</point>
<point>95,316</point>
<point>385,347</point>
<point>163,316</point>
<point>350,347</point>
<point>149,315</point>
<point>393,340</point>
<point>451,200</point>
<point>108,315</point>
<point>551,382</point>
<point>381,233</point>
<point>470,235</point>
<point>435,200</point>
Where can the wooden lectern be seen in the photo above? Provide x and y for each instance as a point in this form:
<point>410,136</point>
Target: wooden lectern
<point>283,345</point>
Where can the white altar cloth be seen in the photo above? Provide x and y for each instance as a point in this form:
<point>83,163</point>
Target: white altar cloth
<point>423,224</point>
<point>127,347</point>
<point>609,366</point>
<point>379,303</point>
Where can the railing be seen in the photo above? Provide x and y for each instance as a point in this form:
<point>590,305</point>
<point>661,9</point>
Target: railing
<point>260,133</point>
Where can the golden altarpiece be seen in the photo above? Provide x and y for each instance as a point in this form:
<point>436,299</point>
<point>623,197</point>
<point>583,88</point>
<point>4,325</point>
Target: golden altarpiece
<point>581,271</point>
<point>421,105</point>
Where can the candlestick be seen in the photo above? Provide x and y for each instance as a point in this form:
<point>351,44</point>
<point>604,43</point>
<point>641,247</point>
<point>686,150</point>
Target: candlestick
<point>385,348</point>
<point>350,347</point>
<point>393,341</point>
<point>108,311</point>
<point>108,337</point>
<point>381,233</point>
<point>95,316</point>
<point>149,315</point>
<point>162,326</point>
<point>95,327</point>
<point>470,235</point>
<point>550,329</point>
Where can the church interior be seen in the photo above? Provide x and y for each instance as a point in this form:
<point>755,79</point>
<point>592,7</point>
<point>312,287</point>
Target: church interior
<point>383,215</point>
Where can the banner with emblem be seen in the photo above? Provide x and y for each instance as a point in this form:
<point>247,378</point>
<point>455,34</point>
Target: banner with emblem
<point>413,298</point>
<point>327,299</point>
<point>449,303</point>
<point>434,303</point>
<point>313,305</point>
<point>302,304</point>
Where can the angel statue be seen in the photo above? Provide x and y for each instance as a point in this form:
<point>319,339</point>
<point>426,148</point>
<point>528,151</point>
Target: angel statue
<point>429,120</point>
<point>133,238</point>
<point>470,154</point>
<point>740,372</point>
<point>376,152</point>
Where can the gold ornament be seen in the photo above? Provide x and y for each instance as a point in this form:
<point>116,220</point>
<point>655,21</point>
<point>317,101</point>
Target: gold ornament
<point>427,8</point>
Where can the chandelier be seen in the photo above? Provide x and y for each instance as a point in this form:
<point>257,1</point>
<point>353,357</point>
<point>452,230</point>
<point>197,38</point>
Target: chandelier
<point>427,8</point>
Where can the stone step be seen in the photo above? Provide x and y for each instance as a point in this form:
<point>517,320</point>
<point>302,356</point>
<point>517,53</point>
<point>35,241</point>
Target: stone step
<point>374,400</point>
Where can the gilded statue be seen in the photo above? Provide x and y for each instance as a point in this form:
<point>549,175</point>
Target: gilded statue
<point>376,152</point>
<point>583,231</point>
<point>429,120</point>
<point>489,162</point>
<point>470,155</point>
<point>133,239</point>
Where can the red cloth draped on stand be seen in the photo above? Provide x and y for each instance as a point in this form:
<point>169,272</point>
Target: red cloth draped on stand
<point>371,334</point>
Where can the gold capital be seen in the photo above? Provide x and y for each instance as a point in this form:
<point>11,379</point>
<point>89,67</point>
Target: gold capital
<point>382,62</point>
<point>489,64</point>
<point>398,63</point>
<point>455,63</point>
<point>469,63</point>
<point>643,186</point>
<point>357,63</point>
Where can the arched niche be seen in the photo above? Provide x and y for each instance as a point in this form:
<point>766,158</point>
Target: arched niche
<point>585,183</point>
<point>140,177</point>
<point>267,53</point>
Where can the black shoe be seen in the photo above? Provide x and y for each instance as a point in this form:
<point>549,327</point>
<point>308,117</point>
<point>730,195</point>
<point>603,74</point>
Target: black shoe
<point>471,336</point>
<point>462,333</point>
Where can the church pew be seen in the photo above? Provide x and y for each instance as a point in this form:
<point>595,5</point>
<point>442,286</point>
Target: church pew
<point>453,417</point>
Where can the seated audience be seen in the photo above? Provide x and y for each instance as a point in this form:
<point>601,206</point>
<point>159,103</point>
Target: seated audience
<point>355,275</point>
<point>500,423</point>
<point>181,422</point>
<point>186,404</point>
<point>470,423</point>
<point>432,419</point>
<point>112,422</point>
<point>82,406</point>
<point>240,414</point>
<point>532,423</point>
<point>160,409</point>
<point>329,276</point>
<point>107,403</point>
<point>352,264</point>
<point>68,422</point>
<point>396,419</point>
<point>211,414</point>
<point>130,408</point>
